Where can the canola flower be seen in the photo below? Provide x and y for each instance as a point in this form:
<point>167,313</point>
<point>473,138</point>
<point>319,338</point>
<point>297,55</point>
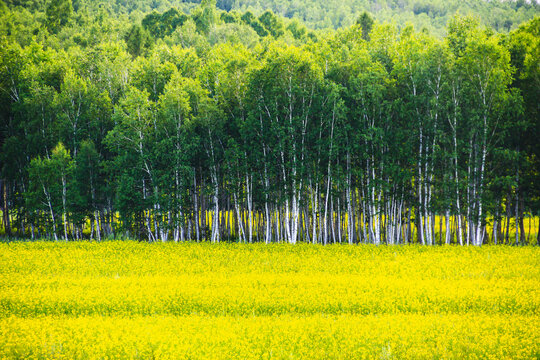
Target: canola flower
<point>229,301</point>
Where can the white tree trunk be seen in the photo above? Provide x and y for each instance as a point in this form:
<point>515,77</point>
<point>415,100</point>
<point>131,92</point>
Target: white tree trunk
<point>64,212</point>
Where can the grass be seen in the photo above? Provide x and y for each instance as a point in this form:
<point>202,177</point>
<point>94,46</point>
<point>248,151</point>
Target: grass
<point>221,301</point>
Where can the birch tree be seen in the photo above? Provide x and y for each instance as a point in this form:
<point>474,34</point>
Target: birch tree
<point>486,71</point>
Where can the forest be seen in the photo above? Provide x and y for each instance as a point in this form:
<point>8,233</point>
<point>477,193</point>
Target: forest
<point>230,122</point>
<point>433,15</point>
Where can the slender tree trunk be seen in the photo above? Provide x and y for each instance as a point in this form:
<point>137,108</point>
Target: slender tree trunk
<point>538,233</point>
<point>507,236</point>
<point>64,210</point>
<point>495,224</point>
<point>49,203</point>
<point>5,208</point>
<point>521,225</point>
<point>249,193</point>
<point>325,238</point>
<point>240,225</point>
<point>196,206</point>
<point>314,211</point>
<point>215,218</point>
<point>517,213</point>
<point>529,232</point>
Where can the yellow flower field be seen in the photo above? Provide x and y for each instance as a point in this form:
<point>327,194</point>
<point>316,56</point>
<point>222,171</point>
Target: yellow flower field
<point>109,300</point>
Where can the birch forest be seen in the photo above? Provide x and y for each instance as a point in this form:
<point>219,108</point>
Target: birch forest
<point>210,125</point>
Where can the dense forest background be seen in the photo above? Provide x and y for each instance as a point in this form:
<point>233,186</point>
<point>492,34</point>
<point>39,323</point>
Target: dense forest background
<point>166,120</point>
<point>316,14</point>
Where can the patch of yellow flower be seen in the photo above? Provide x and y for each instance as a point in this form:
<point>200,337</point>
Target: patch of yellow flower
<point>227,301</point>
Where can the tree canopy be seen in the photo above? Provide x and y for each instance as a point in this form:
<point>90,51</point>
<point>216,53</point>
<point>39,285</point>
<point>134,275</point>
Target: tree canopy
<point>189,122</point>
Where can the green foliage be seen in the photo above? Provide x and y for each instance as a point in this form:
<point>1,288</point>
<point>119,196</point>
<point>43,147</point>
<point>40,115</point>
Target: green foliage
<point>137,40</point>
<point>366,23</point>
<point>161,25</point>
<point>233,34</point>
<point>205,16</point>
<point>230,17</point>
<point>431,14</point>
<point>298,30</point>
<point>48,191</point>
<point>178,118</point>
<point>271,23</point>
<point>460,29</point>
<point>249,19</point>
<point>58,13</point>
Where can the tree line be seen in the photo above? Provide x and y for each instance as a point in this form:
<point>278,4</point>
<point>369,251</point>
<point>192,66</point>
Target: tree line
<point>502,15</point>
<point>366,134</point>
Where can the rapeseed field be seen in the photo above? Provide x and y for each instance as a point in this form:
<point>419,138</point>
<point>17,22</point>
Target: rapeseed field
<point>118,300</point>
